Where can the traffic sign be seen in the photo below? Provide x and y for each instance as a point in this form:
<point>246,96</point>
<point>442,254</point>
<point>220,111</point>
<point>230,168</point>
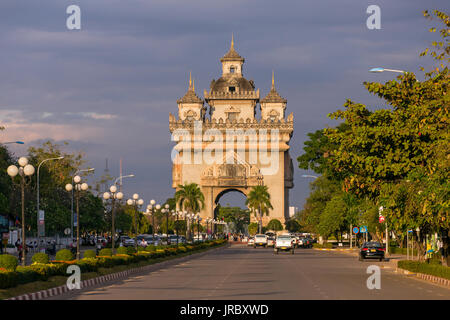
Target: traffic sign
<point>381,219</point>
<point>363,229</point>
<point>355,230</point>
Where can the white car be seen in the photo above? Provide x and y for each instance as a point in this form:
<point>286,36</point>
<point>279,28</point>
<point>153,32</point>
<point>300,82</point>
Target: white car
<point>284,243</point>
<point>294,241</point>
<point>260,241</point>
<point>251,241</point>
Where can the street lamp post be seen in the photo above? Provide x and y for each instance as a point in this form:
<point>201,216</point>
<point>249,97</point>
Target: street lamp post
<point>24,170</point>
<point>78,188</point>
<point>198,226</point>
<point>113,195</point>
<point>38,220</point>
<point>167,221</point>
<point>135,202</point>
<point>378,69</point>
<point>11,142</point>
<point>71,208</point>
<point>175,214</point>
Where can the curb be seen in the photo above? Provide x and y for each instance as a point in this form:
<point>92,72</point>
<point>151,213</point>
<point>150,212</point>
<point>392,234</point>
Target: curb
<point>56,291</point>
<point>427,277</point>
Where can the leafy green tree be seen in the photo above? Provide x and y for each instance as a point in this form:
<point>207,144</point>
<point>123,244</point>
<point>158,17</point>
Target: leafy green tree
<point>258,200</point>
<point>398,157</point>
<point>274,225</point>
<point>292,225</point>
<point>253,228</point>
<point>238,216</point>
<point>190,197</point>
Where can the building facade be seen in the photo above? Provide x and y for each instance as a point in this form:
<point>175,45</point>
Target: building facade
<point>223,147</point>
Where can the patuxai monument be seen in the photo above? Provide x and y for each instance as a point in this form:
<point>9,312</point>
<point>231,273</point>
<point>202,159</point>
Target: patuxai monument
<point>223,147</point>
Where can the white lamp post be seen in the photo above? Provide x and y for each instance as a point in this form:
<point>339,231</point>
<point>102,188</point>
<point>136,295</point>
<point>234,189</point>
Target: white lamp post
<point>24,170</point>
<point>113,195</point>
<point>79,187</point>
<point>135,202</point>
<point>71,218</point>
<point>38,219</point>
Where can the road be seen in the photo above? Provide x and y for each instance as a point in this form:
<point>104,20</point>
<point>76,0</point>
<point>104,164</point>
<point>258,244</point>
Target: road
<point>241,272</point>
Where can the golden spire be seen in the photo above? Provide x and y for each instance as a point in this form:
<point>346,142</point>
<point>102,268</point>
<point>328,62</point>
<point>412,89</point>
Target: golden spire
<point>273,81</point>
<point>190,80</point>
<point>232,42</point>
<point>193,85</point>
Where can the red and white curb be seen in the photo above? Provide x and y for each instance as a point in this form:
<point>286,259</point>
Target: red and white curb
<point>427,277</point>
<point>99,280</point>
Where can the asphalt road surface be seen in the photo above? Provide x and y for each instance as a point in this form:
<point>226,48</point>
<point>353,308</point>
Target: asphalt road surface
<point>241,272</point>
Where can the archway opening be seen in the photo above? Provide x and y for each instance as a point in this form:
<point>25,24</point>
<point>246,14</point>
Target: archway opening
<point>230,207</point>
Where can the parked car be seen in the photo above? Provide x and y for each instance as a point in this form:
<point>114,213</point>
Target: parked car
<point>251,241</point>
<point>172,239</point>
<point>128,242</point>
<point>284,243</point>
<point>371,250</point>
<point>260,241</point>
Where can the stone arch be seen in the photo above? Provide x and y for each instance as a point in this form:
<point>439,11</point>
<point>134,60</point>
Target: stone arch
<point>221,192</point>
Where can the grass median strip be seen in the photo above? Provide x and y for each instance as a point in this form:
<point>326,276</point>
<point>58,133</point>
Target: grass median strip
<point>425,268</point>
<point>60,279</point>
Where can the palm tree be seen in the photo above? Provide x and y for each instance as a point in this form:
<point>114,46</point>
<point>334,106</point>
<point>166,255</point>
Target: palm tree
<point>190,197</point>
<point>258,199</point>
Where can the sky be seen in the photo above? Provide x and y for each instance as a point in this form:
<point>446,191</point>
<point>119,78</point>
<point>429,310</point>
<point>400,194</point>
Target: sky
<point>108,88</point>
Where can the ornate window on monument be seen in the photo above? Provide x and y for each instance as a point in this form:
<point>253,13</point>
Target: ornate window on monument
<point>273,115</point>
<point>190,115</point>
<point>232,69</point>
<point>232,116</point>
<point>232,89</point>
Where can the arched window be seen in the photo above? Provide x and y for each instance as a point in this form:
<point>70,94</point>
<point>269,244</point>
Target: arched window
<point>232,69</point>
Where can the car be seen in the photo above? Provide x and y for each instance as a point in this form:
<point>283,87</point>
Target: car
<point>372,250</point>
<point>284,243</point>
<point>271,241</point>
<point>128,242</point>
<point>294,241</point>
<point>260,241</point>
<point>173,239</point>
<point>251,241</point>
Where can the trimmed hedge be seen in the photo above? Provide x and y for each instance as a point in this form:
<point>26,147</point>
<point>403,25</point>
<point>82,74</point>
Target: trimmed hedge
<point>40,258</point>
<point>105,253</point>
<point>89,254</point>
<point>426,268</point>
<point>64,255</point>
<point>42,271</point>
<point>8,262</point>
<point>122,250</point>
<point>327,245</point>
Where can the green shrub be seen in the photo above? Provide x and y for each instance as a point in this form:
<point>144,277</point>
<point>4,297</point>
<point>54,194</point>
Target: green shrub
<point>88,264</point>
<point>122,250</point>
<point>141,249</point>
<point>64,255</point>
<point>44,270</point>
<point>8,262</point>
<point>27,274</point>
<point>8,279</point>
<point>150,248</point>
<point>131,250</point>
<point>105,252</point>
<point>89,254</point>
<point>423,267</point>
<point>40,258</point>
